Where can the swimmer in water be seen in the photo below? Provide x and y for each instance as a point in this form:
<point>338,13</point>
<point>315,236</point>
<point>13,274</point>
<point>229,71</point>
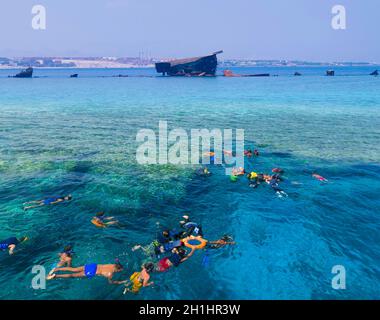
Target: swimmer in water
<point>89,271</point>
<point>191,228</point>
<point>140,279</point>
<point>178,256</point>
<point>204,172</point>
<point>101,219</point>
<point>253,179</point>
<point>238,171</point>
<point>318,177</point>
<point>248,153</point>
<point>11,243</point>
<point>223,241</point>
<point>166,240</point>
<point>256,152</point>
<point>273,182</point>
<point>47,201</point>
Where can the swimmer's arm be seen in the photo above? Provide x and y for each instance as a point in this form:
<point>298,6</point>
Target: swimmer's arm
<point>110,281</point>
<point>11,249</point>
<point>109,218</point>
<point>116,282</point>
<point>188,256</point>
<point>146,283</point>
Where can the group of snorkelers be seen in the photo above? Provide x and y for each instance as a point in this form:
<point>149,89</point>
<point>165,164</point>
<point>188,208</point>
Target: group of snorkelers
<point>11,243</point>
<point>254,178</point>
<point>170,249</point>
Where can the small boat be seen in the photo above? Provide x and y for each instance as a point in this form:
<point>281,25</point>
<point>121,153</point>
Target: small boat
<point>229,73</point>
<point>199,66</point>
<point>75,75</point>
<point>27,73</point>
<point>330,73</point>
<point>375,73</point>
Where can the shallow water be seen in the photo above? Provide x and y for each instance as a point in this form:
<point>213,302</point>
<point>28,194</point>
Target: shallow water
<point>61,135</point>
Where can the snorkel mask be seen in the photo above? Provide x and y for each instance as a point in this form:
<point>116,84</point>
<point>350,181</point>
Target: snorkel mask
<point>227,238</point>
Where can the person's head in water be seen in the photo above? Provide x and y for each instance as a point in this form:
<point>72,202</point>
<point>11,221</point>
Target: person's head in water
<point>149,267</point>
<point>100,214</point>
<point>227,238</point>
<point>68,198</point>
<point>166,233</point>
<point>180,251</point>
<point>68,250</point>
<point>118,265</point>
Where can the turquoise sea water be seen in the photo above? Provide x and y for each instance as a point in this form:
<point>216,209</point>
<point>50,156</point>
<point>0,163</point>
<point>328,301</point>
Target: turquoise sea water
<point>61,135</point>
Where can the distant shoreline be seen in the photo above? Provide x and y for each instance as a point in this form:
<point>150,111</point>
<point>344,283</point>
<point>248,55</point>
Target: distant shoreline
<point>142,63</point>
<point>220,66</point>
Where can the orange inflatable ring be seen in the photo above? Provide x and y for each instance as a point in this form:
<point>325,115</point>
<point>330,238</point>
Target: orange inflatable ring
<point>194,242</point>
<point>97,223</point>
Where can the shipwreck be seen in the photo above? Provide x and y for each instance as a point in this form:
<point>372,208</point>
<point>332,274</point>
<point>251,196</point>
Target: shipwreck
<point>198,66</point>
<point>27,73</point>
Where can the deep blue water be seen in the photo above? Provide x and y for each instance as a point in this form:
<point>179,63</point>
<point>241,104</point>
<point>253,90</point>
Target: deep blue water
<point>61,135</point>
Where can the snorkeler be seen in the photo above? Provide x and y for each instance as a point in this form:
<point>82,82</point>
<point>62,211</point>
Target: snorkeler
<point>89,271</point>
<point>178,256</point>
<point>238,171</point>
<point>11,243</point>
<point>100,220</point>
<point>47,201</point>
<point>203,172</point>
<point>252,178</point>
<point>255,179</point>
<point>273,182</point>
<point>191,228</point>
<point>140,279</point>
<point>155,248</point>
<point>223,241</point>
<point>248,153</point>
<point>256,152</point>
<point>166,240</point>
<point>318,177</point>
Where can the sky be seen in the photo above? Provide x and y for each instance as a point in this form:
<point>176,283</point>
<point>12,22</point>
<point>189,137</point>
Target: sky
<point>244,29</point>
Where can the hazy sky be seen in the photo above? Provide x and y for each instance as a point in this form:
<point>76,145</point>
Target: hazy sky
<point>258,29</point>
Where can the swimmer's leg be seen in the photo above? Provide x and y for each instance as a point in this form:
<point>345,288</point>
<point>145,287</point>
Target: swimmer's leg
<point>137,247</point>
<point>128,286</point>
<point>70,275</point>
<point>30,202</point>
<point>110,223</point>
<point>281,194</point>
<point>35,206</point>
